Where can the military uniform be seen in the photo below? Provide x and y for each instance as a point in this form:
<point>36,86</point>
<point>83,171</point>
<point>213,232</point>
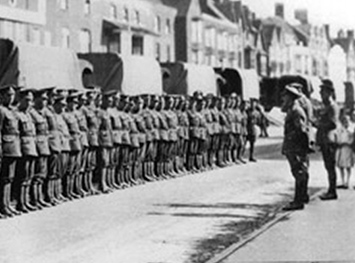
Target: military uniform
<point>72,174</point>
<point>10,153</point>
<point>252,120</point>
<point>26,165</point>
<point>295,148</point>
<point>41,181</point>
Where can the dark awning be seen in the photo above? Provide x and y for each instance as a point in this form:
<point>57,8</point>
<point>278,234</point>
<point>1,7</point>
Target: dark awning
<point>114,25</point>
<point>143,30</point>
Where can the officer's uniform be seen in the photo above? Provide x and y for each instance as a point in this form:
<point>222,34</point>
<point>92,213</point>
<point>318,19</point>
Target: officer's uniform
<point>10,152</point>
<point>41,181</point>
<point>64,156</point>
<point>105,147</point>
<point>183,132</point>
<point>252,120</point>
<point>90,111</point>
<point>216,138</point>
<point>26,165</point>
<point>72,175</point>
<point>295,148</point>
<point>328,119</point>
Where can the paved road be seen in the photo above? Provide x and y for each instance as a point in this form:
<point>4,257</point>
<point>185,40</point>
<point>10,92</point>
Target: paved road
<point>168,221</point>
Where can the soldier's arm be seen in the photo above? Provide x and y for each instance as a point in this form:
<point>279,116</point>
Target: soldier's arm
<point>300,120</point>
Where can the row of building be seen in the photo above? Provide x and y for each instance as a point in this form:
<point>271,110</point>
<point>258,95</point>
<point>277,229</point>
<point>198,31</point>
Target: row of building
<point>218,33</point>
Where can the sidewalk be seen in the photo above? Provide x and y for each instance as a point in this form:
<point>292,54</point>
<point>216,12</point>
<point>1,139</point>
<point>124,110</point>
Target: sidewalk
<point>324,231</point>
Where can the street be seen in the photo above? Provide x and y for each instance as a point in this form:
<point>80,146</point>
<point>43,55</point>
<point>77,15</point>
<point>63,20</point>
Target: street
<point>186,219</point>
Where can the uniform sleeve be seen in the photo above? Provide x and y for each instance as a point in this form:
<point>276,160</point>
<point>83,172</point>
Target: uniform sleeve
<point>300,120</point>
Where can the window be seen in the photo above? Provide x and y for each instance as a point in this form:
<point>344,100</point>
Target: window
<point>157,22</point>
<point>85,41</point>
<point>157,51</point>
<point>114,43</point>
<point>8,29</point>
<point>87,7</point>
<point>64,5</point>
<point>12,2</point>
<point>113,11</point>
<point>196,30</point>
<point>36,36</point>
<point>126,14</point>
<point>20,32</point>
<point>219,40</point>
<point>168,26</point>
<point>137,18</point>
<point>137,45</point>
<point>168,53</point>
<point>65,37</point>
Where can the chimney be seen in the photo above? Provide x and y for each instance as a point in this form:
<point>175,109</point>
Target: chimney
<point>350,34</point>
<point>341,33</point>
<point>327,30</point>
<point>279,10</point>
<point>302,16</point>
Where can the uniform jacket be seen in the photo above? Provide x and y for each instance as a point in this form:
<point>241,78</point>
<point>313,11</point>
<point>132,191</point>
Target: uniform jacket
<point>295,131</point>
<point>27,133</point>
<point>328,120</point>
<point>42,132</point>
<point>10,134</point>
<point>54,138</point>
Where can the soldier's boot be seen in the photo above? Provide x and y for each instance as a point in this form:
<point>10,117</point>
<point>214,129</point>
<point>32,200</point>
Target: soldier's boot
<point>28,200</point>
<point>5,210</point>
<point>34,196</point>
<point>20,206</point>
<point>152,173</point>
<point>103,180</point>
<point>122,177</point>
<point>109,178</point>
<point>51,198</point>
<point>146,172</point>
<point>41,190</point>
<point>75,188</point>
<point>92,189</point>
<point>60,191</point>
<point>79,185</point>
<point>56,192</point>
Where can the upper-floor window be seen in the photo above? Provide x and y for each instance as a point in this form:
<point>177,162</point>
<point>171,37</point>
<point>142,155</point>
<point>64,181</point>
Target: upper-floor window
<point>65,37</point>
<point>113,11</point>
<point>87,7</point>
<point>64,4</point>
<point>85,41</point>
<point>126,14</point>
<point>168,26</point>
<point>157,24</point>
<point>137,17</point>
<point>12,2</point>
<point>196,28</point>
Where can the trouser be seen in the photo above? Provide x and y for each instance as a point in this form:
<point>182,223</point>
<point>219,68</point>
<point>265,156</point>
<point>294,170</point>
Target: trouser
<point>299,163</point>
<point>328,153</point>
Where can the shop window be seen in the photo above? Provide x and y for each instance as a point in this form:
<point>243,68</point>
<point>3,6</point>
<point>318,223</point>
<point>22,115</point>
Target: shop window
<point>137,45</point>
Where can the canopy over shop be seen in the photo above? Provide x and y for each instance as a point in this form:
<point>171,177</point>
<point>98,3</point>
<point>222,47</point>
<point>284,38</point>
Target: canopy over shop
<point>240,81</point>
<point>38,67</point>
<point>132,75</point>
<point>184,78</point>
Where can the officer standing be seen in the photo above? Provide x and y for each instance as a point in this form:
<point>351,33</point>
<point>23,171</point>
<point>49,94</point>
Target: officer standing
<point>105,140</point>
<point>10,150</point>
<point>328,119</point>
<point>90,110</point>
<point>295,146</point>
<point>252,120</point>
<point>42,187</point>
<point>72,175</point>
<point>26,165</point>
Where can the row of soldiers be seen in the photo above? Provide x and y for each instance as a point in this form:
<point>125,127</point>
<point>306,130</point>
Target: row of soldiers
<point>60,144</point>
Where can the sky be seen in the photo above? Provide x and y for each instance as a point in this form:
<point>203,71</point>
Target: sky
<point>339,14</point>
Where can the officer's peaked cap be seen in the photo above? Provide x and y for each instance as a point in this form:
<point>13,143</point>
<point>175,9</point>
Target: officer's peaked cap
<point>289,89</point>
<point>327,84</point>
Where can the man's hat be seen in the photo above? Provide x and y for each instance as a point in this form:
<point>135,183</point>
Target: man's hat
<point>290,89</point>
<point>26,93</point>
<point>73,97</point>
<point>60,99</point>
<point>327,84</point>
<point>9,89</point>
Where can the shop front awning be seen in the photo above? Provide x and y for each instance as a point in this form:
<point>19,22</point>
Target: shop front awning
<point>113,25</point>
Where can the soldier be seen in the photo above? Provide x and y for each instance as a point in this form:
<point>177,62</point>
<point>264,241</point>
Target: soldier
<point>244,131</point>
<point>72,175</point>
<point>252,120</point>
<point>156,135</point>
<point>163,140</point>
<point>328,119</point>
<point>54,191</point>
<point>59,106</point>
<point>183,132</point>
<point>90,112</point>
<point>232,143</point>
<point>116,123</point>
<point>42,188</point>
<point>81,183</point>
<point>105,141</point>
<point>225,130</point>
<point>26,164</point>
<point>123,105</point>
<point>10,150</point>
<point>148,119</point>
<point>238,115</point>
<point>195,118</point>
<point>295,146</point>
<point>216,131</point>
<point>207,114</point>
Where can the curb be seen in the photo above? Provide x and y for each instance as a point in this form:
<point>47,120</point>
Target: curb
<point>231,249</point>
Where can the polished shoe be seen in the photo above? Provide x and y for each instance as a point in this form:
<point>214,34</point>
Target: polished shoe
<point>252,160</point>
<point>305,199</point>
<point>342,187</point>
<point>328,196</point>
<point>293,206</point>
